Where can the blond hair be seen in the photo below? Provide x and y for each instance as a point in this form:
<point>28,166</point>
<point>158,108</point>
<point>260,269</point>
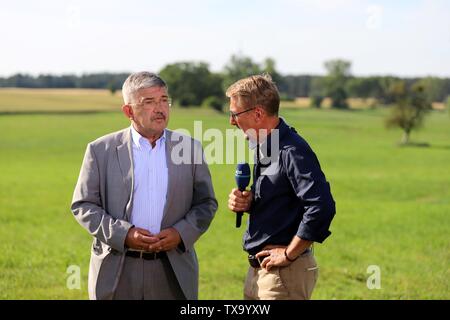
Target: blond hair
<point>256,90</point>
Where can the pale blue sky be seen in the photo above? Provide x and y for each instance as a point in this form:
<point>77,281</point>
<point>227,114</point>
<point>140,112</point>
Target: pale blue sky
<point>400,37</point>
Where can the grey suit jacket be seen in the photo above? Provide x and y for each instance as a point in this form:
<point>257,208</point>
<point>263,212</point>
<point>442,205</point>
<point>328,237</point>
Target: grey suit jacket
<point>103,199</point>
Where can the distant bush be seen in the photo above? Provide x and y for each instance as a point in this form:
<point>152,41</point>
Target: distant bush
<point>112,88</point>
<point>213,102</point>
<point>286,97</point>
<point>316,101</point>
<point>448,104</point>
<point>185,100</point>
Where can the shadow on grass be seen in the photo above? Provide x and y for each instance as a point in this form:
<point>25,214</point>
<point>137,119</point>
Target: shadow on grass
<point>414,145</point>
<point>423,145</point>
<point>440,147</point>
<point>56,112</point>
<point>343,110</point>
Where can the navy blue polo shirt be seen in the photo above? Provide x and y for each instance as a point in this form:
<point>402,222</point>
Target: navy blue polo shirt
<point>291,195</point>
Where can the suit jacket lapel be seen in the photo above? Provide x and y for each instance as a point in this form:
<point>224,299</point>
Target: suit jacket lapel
<point>125,156</point>
<point>172,171</point>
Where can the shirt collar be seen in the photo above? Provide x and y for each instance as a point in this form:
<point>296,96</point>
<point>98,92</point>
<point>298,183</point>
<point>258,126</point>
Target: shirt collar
<point>282,128</point>
<point>139,140</point>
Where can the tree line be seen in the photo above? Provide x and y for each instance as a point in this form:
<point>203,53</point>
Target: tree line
<point>192,83</point>
<point>86,81</point>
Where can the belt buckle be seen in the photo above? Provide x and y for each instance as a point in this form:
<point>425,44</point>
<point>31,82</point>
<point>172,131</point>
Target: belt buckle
<point>259,261</point>
<point>152,255</point>
<point>252,259</point>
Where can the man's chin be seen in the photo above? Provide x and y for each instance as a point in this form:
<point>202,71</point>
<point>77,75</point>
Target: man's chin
<point>250,138</point>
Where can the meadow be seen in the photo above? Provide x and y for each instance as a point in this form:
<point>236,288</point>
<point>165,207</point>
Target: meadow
<point>393,203</point>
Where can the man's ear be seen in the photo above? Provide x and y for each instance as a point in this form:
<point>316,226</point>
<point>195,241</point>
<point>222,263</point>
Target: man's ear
<point>127,111</point>
<point>259,113</point>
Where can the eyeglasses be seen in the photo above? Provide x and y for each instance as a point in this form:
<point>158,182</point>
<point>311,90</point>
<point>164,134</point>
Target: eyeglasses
<point>149,103</point>
<point>234,115</point>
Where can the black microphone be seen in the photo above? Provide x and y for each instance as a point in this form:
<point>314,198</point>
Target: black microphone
<point>242,176</point>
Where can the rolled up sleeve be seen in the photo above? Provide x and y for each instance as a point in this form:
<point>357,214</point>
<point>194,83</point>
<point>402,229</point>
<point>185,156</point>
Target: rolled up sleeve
<point>313,190</point>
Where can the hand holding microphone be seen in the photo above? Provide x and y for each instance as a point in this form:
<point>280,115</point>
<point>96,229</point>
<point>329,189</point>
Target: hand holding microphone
<point>240,200</point>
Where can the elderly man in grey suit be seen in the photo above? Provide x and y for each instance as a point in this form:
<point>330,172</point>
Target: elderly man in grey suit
<point>144,206</point>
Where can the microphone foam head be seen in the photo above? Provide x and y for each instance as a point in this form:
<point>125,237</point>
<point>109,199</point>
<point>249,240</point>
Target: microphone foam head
<point>242,175</point>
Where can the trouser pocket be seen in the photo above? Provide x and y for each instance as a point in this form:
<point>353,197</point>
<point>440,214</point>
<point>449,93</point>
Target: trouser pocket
<point>300,277</point>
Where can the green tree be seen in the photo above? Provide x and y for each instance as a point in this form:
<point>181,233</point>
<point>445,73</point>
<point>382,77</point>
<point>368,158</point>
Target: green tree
<point>384,95</point>
<point>269,67</point>
<point>335,82</point>
<point>239,67</point>
<point>317,93</point>
<point>297,86</point>
<point>437,89</point>
<point>112,88</point>
<point>448,104</point>
<point>359,87</point>
<point>409,110</point>
<point>214,103</point>
<point>190,83</point>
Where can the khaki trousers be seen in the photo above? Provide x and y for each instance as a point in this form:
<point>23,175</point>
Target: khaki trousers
<point>293,282</point>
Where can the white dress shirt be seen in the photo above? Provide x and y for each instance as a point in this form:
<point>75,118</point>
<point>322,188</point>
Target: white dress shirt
<point>150,182</point>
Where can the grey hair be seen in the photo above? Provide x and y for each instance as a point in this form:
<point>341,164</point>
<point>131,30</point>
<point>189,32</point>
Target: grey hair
<point>140,80</point>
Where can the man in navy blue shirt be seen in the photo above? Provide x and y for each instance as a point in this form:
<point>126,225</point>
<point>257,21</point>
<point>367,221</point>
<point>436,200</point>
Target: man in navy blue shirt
<point>290,204</point>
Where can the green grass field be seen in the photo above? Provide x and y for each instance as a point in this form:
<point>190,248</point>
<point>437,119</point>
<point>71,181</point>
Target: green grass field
<point>393,203</point>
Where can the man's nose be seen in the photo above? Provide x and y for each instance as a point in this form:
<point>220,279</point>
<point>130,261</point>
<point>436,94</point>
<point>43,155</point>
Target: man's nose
<point>159,108</point>
<point>232,120</point>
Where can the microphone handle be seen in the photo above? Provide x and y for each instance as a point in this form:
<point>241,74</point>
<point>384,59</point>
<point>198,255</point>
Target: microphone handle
<point>239,219</point>
<point>239,214</point>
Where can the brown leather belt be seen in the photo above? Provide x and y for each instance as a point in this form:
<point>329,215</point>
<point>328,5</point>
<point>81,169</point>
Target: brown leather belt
<point>255,263</point>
